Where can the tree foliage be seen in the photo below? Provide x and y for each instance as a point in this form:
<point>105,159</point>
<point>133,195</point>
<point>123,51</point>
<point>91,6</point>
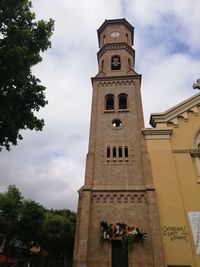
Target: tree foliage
<point>59,229</point>
<point>10,211</point>
<point>29,222</point>
<point>22,39</point>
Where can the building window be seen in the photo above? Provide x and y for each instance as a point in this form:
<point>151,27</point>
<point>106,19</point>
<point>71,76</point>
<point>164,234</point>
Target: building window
<point>120,152</point>
<point>126,152</point>
<point>117,153</point>
<point>109,102</point>
<point>116,123</point>
<point>114,152</point>
<point>123,101</point>
<point>115,63</point>
<point>108,152</point>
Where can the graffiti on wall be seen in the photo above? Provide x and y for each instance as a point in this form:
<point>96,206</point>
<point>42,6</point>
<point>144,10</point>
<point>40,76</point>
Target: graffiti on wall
<point>175,232</point>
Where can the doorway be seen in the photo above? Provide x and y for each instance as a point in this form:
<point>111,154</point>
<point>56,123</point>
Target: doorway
<point>119,254</point>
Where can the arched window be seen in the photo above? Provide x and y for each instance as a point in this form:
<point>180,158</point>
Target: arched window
<point>123,101</point>
<point>115,63</point>
<point>109,102</point>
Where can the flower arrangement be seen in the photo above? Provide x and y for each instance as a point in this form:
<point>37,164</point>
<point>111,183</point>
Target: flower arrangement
<point>127,234</point>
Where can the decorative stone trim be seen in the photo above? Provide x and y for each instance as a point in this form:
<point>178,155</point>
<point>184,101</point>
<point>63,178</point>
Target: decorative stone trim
<point>128,78</point>
<point>115,83</point>
<point>114,162</point>
<point>118,197</point>
<point>154,133</point>
<point>115,46</point>
<point>193,152</point>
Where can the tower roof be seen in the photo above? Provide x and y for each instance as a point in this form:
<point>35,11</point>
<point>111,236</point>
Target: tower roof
<point>116,21</point>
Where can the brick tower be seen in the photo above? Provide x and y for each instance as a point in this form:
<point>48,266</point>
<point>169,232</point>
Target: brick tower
<point>118,187</point>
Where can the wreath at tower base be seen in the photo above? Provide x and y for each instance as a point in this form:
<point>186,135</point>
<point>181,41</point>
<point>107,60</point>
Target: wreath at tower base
<point>127,234</point>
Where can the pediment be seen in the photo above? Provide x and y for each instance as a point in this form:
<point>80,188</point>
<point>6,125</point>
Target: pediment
<point>171,115</point>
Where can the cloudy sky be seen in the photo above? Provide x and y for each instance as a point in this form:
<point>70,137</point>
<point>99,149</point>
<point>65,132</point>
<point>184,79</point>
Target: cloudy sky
<point>48,166</point>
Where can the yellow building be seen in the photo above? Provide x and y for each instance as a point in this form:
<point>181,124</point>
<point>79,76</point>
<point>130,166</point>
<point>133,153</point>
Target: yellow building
<point>174,149</point>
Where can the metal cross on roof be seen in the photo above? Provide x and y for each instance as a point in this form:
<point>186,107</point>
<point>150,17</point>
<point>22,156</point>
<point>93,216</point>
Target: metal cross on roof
<point>197,84</point>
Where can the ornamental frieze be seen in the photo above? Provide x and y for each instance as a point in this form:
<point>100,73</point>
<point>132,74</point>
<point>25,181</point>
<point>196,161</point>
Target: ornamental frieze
<point>192,152</point>
<point>118,198</point>
<point>115,83</point>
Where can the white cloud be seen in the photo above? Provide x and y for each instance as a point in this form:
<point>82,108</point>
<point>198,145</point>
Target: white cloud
<point>167,82</point>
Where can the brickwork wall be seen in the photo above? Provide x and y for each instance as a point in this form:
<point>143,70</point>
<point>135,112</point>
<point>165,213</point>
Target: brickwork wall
<point>128,171</point>
<point>117,189</point>
<point>118,209</point>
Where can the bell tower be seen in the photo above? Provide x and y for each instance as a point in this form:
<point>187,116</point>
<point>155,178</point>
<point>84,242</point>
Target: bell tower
<point>118,188</point>
<point>116,55</point>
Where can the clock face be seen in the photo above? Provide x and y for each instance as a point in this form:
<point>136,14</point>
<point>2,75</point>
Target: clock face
<point>115,34</point>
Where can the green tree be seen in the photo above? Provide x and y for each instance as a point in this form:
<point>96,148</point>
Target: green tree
<point>59,231</point>
<point>22,39</point>
<point>31,222</point>
<point>28,221</point>
<point>10,211</point>
<point>10,214</point>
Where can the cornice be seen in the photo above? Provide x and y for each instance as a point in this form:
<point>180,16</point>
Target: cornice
<point>157,133</point>
<point>181,110</point>
<point>115,46</point>
<point>116,78</point>
<point>118,189</point>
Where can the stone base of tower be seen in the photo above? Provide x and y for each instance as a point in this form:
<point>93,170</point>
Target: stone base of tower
<point>130,207</point>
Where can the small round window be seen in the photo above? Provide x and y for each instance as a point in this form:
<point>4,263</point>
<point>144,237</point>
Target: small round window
<point>116,123</point>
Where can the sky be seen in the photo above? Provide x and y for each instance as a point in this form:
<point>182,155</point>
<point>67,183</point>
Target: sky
<point>49,166</point>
